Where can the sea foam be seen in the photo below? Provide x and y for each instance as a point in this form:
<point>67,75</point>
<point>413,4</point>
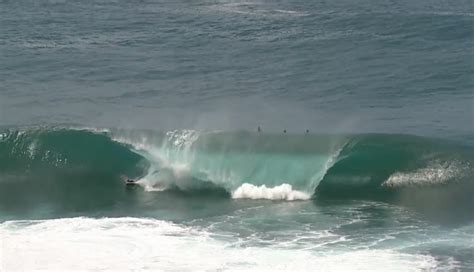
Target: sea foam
<point>280,192</point>
<point>141,244</point>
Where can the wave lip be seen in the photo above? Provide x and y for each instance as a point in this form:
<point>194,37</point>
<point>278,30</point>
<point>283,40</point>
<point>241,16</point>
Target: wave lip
<point>280,192</point>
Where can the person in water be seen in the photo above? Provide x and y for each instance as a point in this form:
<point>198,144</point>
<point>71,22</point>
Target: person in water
<point>284,131</point>
<point>130,183</point>
<point>259,129</point>
<point>128,180</point>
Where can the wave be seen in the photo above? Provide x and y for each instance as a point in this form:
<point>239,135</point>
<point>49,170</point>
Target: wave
<point>188,160</point>
<point>388,162</point>
<point>71,168</point>
<point>89,163</point>
<point>71,150</point>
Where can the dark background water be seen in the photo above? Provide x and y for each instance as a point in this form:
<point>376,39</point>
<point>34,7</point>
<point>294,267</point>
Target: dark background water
<point>384,66</point>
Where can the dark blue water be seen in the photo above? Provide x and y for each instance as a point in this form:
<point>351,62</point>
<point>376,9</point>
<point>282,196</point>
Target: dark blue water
<point>323,65</point>
<point>146,70</point>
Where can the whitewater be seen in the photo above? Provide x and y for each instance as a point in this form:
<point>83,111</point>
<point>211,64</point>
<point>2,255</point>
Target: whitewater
<point>146,244</point>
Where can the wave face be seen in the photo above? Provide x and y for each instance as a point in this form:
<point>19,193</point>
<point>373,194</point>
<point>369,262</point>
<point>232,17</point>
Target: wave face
<point>76,168</point>
<point>375,163</point>
<point>82,164</point>
<point>431,175</point>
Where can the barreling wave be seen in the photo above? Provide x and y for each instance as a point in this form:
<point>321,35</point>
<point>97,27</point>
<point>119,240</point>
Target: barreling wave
<point>247,165</point>
<point>75,163</point>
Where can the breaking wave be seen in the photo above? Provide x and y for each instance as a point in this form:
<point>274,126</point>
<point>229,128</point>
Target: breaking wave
<point>86,163</point>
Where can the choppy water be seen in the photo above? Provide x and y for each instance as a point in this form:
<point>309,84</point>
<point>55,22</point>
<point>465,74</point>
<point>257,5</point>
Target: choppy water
<point>171,92</point>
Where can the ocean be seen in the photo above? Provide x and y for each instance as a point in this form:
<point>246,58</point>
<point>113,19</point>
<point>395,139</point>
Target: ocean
<point>283,135</point>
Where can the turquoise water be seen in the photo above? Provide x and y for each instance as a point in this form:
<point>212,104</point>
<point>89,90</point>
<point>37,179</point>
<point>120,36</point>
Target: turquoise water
<point>170,93</point>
